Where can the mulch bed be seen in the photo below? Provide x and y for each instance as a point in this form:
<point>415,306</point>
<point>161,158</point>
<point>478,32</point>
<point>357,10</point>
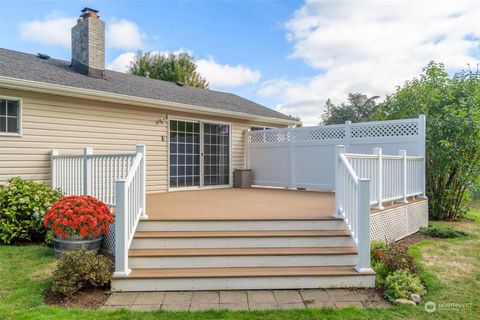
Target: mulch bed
<point>86,299</point>
<point>412,239</point>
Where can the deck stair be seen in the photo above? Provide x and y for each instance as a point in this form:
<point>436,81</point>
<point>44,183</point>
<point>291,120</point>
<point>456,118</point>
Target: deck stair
<point>168,255</point>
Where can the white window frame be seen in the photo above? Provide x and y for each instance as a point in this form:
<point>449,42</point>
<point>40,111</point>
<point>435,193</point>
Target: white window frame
<point>259,126</point>
<point>19,117</point>
<point>200,121</point>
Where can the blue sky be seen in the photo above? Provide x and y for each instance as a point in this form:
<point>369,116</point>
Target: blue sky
<point>288,55</point>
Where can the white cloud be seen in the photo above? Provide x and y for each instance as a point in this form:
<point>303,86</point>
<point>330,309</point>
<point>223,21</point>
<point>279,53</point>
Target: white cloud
<point>224,75</point>
<point>371,46</point>
<point>122,62</point>
<point>124,34</point>
<point>53,30</point>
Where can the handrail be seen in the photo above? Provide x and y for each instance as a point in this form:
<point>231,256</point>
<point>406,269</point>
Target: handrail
<point>131,206</point>
<point>349,168</point>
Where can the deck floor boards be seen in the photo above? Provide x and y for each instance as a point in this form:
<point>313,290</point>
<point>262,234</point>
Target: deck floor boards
<point>241,204</point>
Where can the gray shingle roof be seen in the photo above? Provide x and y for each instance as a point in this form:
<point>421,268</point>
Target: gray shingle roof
<point>26,66</point>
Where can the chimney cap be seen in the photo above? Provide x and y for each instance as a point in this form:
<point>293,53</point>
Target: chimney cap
<point>87,9</point>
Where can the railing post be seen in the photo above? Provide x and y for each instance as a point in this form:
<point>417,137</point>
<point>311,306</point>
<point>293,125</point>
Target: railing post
<point>291,156</point>
<point>87,171</point>
<point>53,168</point>
<point>141,148</point>
<point>403,153</point>
<point>121,230</point>
<point>339,149</point>
<point>422,137</point>
<point>379,182</point>
<point>363,211</point>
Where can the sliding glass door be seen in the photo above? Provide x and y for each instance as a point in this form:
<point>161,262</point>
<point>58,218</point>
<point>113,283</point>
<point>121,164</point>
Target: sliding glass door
<point>199,154</point>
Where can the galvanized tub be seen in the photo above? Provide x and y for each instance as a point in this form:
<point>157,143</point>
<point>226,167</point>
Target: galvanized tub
<point>75,243</point>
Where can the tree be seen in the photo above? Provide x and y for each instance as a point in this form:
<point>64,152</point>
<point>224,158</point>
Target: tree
<point>299,124</point>
<point>169,67</point>
<point>359,108</point>
<point>452,107</point>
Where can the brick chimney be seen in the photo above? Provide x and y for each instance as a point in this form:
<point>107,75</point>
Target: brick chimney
<point>88,44</point>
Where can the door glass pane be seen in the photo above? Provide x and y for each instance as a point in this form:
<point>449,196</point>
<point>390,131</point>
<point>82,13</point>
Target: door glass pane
<point>184,154</point>
<point>216,154</point>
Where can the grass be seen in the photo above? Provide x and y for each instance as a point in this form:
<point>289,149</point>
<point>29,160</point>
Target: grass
<point>450,269</point>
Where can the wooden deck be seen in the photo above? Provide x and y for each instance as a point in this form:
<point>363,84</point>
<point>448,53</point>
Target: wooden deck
<point>241,204</point>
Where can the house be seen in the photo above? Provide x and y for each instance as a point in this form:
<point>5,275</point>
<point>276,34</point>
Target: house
<point>144,139</point>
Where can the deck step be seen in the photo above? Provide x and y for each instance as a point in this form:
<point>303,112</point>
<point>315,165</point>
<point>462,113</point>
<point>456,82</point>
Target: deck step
<point>241,239</point>
<point>242,278</point>
<point>242,272</point>
<point>242,234</point>
<point>219,225</point>
<point>196,252</point>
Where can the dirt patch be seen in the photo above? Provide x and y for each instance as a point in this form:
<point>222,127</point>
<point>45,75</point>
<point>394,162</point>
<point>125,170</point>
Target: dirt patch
<point>44,273</point>
<point>414,238</point>
<point>86,299</point>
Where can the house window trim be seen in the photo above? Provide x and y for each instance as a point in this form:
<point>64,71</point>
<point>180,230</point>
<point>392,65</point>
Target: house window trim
<point>19,133</point>
<point>261,126</point>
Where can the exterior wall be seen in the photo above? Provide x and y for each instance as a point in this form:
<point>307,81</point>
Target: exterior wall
<point>70,124</point>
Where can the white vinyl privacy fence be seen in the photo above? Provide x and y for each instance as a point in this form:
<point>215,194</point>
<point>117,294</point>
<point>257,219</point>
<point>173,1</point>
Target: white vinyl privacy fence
<point>304,157</point>
<point>117,179</point>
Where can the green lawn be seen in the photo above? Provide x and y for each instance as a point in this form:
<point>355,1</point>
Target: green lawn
<point>451,269</point>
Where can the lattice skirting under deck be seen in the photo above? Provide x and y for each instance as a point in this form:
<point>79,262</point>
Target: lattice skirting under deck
<point>397,223</point>
<point>109,240</point>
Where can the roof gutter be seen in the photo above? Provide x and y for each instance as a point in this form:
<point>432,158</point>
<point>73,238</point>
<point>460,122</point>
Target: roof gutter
<point>56,89</point>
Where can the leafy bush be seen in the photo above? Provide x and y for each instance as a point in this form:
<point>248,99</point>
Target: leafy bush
<point>442,232</point>
<point>23,203</point>
<point>81,269</point>
<point>376,249</point>
<point>381,271</point>
<point>395,258</point>
<point>452,107</point>
<point>401,283</point>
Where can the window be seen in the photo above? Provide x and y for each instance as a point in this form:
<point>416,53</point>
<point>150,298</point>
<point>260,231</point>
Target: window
<point>257,128</point>
<point>9,116</point>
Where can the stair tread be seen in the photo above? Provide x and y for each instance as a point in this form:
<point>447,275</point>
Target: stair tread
<point>242,272</point>
<point>260,251</point>
<point>240,234</point>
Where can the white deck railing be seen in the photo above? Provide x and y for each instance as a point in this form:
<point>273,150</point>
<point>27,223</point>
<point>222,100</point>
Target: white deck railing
<point>92,174</point>
<point>363,180</point>
<point>353,205</point>
<point>131,205</point>
<point>118,179</point>
<point>393,177</point>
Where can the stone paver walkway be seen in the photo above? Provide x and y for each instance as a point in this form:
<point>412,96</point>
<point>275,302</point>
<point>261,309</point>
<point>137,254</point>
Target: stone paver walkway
<point>245,300</point>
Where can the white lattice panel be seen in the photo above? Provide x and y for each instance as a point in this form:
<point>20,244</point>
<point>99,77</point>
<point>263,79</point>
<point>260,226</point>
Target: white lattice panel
<point>319,133</point>
<point>108,243</point>
<point>388,225</point>
<point>397,223</point>
<point>417,216</point>
<point>369,130</point>
<point>269,136</point>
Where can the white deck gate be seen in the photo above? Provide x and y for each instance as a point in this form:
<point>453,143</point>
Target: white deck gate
<point>118,179</point>
<point>349,160</point>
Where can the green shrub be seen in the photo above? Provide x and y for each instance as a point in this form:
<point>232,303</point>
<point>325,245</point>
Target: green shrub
<point>382,273</point>
<point>401,283</point>
<point>395,258</point>
<point>23,203</point>
<point>81,269</point>
<point>442,232</point>
<point>376,249</point>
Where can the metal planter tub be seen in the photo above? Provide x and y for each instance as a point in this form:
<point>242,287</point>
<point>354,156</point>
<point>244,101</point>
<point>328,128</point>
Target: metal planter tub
<point>75,243</point>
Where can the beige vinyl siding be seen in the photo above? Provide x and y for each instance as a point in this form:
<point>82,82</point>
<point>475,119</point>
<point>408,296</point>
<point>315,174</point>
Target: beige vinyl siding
<point>70,124</point>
